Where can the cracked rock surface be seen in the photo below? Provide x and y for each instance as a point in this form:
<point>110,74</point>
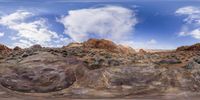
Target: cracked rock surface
<point>98,69</point>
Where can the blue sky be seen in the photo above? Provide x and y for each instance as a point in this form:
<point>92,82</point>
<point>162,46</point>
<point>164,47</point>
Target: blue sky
<point>152,24</point>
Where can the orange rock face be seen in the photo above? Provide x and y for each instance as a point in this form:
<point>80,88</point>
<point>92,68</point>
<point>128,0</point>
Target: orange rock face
<point>107,45</point>
<point>100,44</point>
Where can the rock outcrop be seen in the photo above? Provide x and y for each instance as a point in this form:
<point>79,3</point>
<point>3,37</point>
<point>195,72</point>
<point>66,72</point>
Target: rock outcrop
<point>107,45</point>
<point>195,47</point>
<point>142,51</point>
<point>4,51</point>
<point>17,48</point>
<point>99,69</point>
<point>42,72</point>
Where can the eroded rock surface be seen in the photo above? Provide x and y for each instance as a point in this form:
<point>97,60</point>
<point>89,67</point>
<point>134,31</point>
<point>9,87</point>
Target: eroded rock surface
<point>100,69</point>
<point>4,51</point>
<point>42,72</point>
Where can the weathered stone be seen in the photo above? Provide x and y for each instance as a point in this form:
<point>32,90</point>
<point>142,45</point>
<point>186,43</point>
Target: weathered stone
<point>43,72</point>
<point>17,48</point>
<point>169,61</point>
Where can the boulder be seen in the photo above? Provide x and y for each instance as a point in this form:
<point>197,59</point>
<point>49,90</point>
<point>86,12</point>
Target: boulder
<point>42,73</point>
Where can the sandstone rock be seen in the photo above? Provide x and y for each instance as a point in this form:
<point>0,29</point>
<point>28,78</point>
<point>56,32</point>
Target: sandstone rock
<point>100,44</point>
<point>43,72</point>
<point>108,45</point>
<point>74,45</point>
<point>195,47</point>
<point>193,63</point>
<point>113,70</point>
<point>4,50</point>
<point>142,51</point>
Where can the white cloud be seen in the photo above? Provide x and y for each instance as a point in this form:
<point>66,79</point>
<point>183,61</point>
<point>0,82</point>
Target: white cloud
<point>188,10</point>
<point>110,22</point>
<point>150,44</point>
<point>192,26</point>
<point>152,41</point>
<point>1,34</point>
<point>28,33</point>
<point>192,13</point>
<point>195,33</point>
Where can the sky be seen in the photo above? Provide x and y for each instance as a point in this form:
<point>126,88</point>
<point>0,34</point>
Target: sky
<point>148,24</point>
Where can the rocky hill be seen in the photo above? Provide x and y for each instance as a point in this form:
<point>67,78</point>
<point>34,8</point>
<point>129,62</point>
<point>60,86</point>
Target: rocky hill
<point>98,69</point>
<point>195,47</point>
<point>4,50</point>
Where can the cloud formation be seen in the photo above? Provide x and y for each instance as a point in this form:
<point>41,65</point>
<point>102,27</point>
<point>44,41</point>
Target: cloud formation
<point>28,32</point>
<point>146,44</point>
<point>1,34</point>
<point>192,20</point>
<point>110,22</point>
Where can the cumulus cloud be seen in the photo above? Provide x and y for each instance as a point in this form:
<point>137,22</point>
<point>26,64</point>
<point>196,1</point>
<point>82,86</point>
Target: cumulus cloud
<point>188,10</point>
<point>148,44</point>
<point>192,26</point>
<point>28,32</point>
<point>110,22</point>
<point>1,34</point>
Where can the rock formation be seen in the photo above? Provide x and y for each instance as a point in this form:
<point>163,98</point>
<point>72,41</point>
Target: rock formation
<point>17,48</point>
<point>195,47</point>
<point>142,51</point>
<point>107,45</point>
<point>99,69</point>
<point>4,51</point>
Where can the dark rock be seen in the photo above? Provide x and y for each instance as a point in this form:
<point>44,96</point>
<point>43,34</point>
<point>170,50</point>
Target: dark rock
<point>195,47</point>
<point>17,48</point>
<point>37,46</point>
<point>169,61</point>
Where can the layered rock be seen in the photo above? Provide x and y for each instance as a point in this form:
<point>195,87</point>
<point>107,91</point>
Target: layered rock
<point>42,72</point>
<point>100,68</point>
<point>108,45</point>
<point>4,51</point>
<point>195,47</point>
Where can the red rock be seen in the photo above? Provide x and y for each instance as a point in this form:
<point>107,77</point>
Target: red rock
<point>142,51</point>
<point>100,44</point>
<point>4,50</point>
<point>195,47</point>
<point>107,45</point>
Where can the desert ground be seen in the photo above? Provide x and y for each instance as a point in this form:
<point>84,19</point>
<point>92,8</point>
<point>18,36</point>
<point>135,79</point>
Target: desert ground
<point>99,69</point>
